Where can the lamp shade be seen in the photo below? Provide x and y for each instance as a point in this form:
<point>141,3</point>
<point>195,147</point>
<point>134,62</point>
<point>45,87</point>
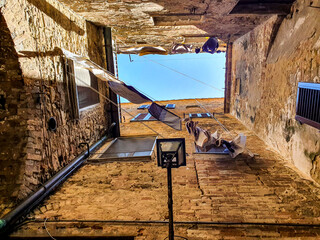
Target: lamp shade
<point>171,151</point>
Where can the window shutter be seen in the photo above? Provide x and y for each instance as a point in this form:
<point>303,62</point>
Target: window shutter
<point>199,115</point>
<point>170,106</point>
<point>143,107</point>
<point>143,117</point>
<point>308,104</point>
<point>72,90</point>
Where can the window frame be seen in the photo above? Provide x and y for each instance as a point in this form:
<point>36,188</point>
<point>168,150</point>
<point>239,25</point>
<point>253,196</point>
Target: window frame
<point>72,91</point>
<point>303,102</point>
<point>96,95</point>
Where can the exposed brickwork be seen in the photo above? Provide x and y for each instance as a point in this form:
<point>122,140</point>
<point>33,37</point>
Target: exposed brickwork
<point>13,121</point>
<point>210,188</point>
<point>34,84</point>
<point>268,84</point>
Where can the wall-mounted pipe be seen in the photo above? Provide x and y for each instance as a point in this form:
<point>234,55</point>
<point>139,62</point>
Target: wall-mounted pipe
<point>6,223</point>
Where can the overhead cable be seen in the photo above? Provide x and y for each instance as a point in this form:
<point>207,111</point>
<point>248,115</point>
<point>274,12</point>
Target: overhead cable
<point>183,74</point>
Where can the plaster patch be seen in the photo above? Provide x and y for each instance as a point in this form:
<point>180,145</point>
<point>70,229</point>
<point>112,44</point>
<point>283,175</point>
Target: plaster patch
<point>149,7</point>
<point>300,160</point>
<point>299,23</point>
<point>2,3</point>
<point>317,44</point>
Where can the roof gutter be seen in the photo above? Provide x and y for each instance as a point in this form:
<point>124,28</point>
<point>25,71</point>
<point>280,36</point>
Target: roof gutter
<point>7,222</point>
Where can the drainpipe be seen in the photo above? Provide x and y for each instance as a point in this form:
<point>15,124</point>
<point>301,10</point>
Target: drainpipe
<point>7,222</point>
<point>111,68</point>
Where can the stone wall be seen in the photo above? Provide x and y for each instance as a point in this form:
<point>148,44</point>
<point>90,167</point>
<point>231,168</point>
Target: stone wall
<point>33,82</point>
<point>211,188</point>
<point>266,72</point>
<point>13,123</point>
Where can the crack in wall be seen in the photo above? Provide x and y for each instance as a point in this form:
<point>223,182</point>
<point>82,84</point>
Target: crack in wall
<point>197,177</point>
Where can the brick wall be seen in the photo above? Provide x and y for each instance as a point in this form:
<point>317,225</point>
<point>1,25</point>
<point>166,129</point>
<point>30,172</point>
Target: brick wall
<point>35,77</point>
<point>211,188</point>
<point>268,77</point>
<point>13,123</point>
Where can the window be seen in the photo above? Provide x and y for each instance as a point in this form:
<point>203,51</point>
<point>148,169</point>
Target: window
<point>170,106</point>
<point>199,115</point>
<point>308,104</point>
<point>85,81</point>
<point>143,117</point>
<point>143,107</point>
<point>192,106</point>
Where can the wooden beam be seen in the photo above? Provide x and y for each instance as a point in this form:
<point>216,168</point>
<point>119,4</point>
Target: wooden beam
<point>261,8</point>
<point>177,20</point>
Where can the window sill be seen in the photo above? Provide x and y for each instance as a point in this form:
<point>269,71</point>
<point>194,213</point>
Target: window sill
<point>88,107</point>
<point>84,112</point>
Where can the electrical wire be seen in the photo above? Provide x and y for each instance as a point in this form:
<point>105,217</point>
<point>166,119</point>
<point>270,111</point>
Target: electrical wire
<point>109,100</point>
<point>183,74</point>
<point>174,59</point>
<point>40,220</point>
<point>45,227</point>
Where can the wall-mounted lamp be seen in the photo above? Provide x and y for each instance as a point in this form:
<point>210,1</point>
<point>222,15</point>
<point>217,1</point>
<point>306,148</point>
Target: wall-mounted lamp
<point>171,153</point>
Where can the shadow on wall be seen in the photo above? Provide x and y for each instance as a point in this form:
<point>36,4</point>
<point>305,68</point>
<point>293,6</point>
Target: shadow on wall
<point>57,16</point>
<point>30,54</point>
<point>13,131</point>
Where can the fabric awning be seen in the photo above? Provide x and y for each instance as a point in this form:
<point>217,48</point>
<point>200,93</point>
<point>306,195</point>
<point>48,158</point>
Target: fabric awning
<point>126,91</point>
<point>165,116</point>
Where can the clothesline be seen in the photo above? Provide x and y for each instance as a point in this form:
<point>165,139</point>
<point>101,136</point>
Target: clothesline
<point>109,100</point>
<point>183,74</point>
<point>126,91</point>
<point>174,59</point>
<point>223,127</point>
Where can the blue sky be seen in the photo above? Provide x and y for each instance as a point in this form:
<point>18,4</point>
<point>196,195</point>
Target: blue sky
<point>147,75</point>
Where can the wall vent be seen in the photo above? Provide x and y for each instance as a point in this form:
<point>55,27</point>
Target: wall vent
<point>308,104</point>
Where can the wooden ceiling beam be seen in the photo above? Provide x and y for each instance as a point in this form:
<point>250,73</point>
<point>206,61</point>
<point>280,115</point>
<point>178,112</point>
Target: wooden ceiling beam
<point>261,8</point>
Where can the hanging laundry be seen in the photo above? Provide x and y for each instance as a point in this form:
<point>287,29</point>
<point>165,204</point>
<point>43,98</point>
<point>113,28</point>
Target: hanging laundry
<point>165,116</point>
<point>144,50</point>
<point>205,141</point>
<point>181,48</point>
<point>238,144</point>
<point>128,92</point>
<point>211,45</point>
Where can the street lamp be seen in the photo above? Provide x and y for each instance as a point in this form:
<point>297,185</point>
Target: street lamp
<point>171,153</point>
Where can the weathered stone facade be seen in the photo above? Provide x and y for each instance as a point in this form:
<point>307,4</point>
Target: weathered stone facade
<point>211,188</point>
<point>165,22</point>
<point>250,192</point>
<point>33,83</point>
<point>13,123</point>
<point>265,80</point>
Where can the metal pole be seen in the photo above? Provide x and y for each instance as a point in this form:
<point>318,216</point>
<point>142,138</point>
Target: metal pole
<point>171,230</point>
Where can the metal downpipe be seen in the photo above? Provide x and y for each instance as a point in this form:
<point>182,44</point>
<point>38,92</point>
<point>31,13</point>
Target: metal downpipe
<point>32,201</point>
